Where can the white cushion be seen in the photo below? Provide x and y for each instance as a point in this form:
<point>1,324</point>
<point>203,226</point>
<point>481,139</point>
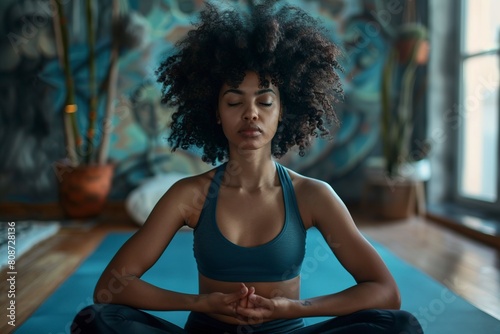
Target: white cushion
<point>141,201</point>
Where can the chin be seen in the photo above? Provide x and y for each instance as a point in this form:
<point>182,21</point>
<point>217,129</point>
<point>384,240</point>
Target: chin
<point>244,147</point>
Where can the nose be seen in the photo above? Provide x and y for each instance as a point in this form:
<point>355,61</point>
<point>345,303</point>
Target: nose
<point>251,113</point>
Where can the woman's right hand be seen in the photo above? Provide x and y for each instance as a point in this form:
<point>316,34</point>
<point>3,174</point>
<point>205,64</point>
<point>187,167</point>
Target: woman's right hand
<point>227,303</point>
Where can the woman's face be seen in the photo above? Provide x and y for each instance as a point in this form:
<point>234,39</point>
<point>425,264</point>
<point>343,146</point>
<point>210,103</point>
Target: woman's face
<point>249,114</point>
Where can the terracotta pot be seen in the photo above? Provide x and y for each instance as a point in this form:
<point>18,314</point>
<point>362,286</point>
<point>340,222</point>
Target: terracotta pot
<point>397,202</point>
<point>83,190</point>
<point>390,201</point>
<point>399,197</point>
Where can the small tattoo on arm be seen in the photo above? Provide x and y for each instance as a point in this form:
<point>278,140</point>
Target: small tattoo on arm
<point>305,303</point>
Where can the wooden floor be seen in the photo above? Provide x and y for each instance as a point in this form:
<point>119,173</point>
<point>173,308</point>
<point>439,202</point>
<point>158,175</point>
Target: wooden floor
<point>466,267</point>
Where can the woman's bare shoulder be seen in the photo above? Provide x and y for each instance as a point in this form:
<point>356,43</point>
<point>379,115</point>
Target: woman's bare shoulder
<point>313,197</point>
<point>197,181</point>
<point>188,195</point>
<point>309,187</point>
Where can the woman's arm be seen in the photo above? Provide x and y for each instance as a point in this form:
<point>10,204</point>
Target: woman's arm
<point>121,282</point>
<point>375,288</point>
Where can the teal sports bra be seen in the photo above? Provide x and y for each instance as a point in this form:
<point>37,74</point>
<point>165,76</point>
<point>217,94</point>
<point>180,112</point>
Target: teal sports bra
<point>277,260</point>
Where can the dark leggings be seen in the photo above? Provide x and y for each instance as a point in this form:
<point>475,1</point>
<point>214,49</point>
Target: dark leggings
<point>112,318</point>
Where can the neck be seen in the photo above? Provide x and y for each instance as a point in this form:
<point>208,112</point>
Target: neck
<point>250,170</point>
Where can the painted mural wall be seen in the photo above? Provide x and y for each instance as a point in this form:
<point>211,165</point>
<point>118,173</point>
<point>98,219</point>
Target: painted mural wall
<point>32,92</point>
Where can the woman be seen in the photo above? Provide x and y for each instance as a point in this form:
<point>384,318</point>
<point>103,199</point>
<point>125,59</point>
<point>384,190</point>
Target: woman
<point>248,88</point>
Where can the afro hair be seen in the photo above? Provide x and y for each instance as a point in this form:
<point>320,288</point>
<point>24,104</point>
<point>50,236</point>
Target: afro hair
<point>279,42</point>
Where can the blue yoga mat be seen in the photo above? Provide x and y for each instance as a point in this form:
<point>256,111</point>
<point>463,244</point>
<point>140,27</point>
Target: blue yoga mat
<point>439,310</point>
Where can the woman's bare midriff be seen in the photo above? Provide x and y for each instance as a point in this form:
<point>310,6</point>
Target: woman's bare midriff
<point>288,289</point>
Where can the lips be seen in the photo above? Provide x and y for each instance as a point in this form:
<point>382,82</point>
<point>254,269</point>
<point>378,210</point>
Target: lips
<point>250,131</point>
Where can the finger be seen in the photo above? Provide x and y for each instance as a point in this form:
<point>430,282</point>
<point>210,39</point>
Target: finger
<point>243,289</point>
<point>254,299</point>
<point>233,307</point>
<point>257,301</point>
<point>243,301</point>
<point>244,313</point>
<point>251,291</point>
<point>237,295</point>
<point>250,313</point>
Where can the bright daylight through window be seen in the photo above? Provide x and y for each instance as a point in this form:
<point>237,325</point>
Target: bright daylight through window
<point>479,101</point>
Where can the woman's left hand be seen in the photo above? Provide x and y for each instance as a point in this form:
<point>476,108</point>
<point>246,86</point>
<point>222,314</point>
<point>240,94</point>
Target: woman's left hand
<point>260,309</point>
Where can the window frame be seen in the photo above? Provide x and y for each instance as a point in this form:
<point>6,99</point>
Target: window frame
<point>471,203</point>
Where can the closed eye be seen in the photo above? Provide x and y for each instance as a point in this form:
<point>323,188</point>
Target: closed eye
<point>266,104</point>
<point>234,104</point>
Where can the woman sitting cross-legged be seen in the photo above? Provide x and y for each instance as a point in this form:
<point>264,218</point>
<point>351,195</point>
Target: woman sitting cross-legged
<point>248,87</point>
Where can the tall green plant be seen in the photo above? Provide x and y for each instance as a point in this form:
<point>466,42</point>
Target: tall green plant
<point>73,138</point>
<point>92,83</point>
<point>397,104</point>
<point>127,32</point>
<point>74,142</point>
<point>112,78</point>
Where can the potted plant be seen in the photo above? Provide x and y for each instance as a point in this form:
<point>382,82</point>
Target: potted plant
<point>396,178</point>
<point>409,50</point>
<point>85,175</point>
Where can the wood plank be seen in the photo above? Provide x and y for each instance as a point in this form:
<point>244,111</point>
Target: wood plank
<point>467,267</point>
<point>42,269</point>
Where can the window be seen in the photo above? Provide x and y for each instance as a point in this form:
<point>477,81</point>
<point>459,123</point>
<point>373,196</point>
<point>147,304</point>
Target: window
<point>478,156</point>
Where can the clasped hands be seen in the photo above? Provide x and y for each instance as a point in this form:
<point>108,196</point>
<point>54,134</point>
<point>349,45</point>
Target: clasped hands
<point>247,306</point>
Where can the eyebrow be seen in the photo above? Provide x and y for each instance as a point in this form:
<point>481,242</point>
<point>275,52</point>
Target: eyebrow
<point>240,92</point>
